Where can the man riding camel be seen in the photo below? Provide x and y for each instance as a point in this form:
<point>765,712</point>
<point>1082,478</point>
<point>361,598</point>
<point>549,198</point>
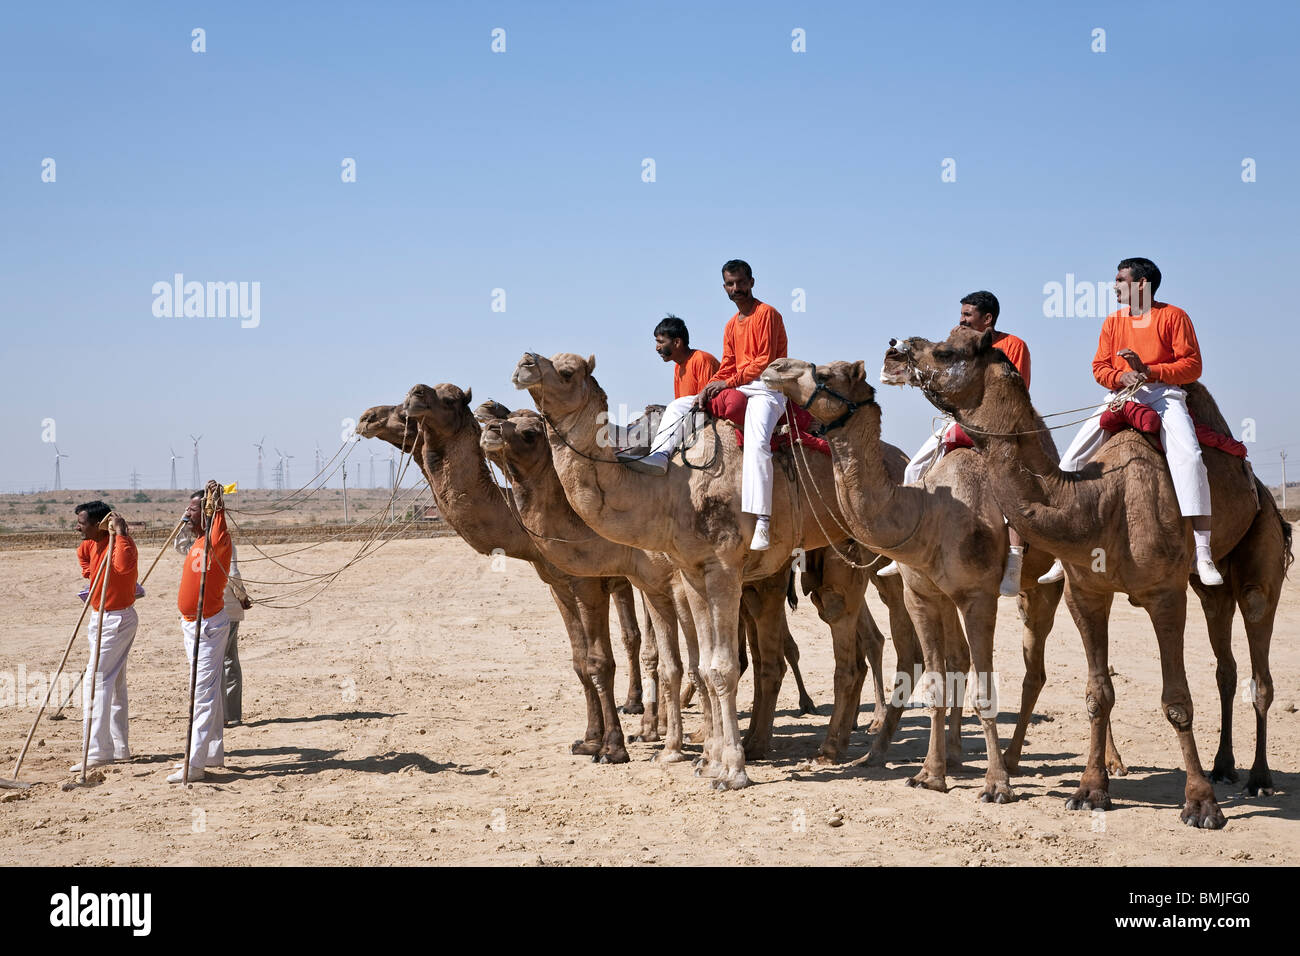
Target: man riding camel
<point>753,338</point>
<point>1152,345</point>
<point>979,311</point>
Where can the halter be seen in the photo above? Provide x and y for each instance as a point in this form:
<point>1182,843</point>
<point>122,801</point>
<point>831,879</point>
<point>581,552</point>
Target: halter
<point>849,406</point>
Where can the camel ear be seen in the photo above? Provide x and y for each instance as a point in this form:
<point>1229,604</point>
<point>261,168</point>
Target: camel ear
<point>591,364</point>
<point>859,370</point>
<point>986,341</point>
<point>469,394</point>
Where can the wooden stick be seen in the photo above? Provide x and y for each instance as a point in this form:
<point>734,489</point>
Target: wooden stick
<point>88,715</point>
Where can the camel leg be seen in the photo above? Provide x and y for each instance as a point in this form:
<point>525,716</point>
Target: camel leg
<point>1218,605</point>
<point>1168,613</point>
<point>956,669</point>
<point>980,616</point>
<point>593,608</point>
<point>723,673</point>
<point>764,604</point>
<point>840,601</point>
<point>630,629</point>
<point>928,616</point>
<point>1091,613</point>
<point>592,739</point>
<point>871,645</point>
<point>663,616</point>
<point>686,619</point>
<point>1259,634</point>
<point>907,660</point>
<point>806,705</point>
<point>1037,605</point>
<point>710,761</point>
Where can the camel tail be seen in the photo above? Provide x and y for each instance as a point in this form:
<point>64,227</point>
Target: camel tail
<point>792,596</point>
<point>1287,556</point>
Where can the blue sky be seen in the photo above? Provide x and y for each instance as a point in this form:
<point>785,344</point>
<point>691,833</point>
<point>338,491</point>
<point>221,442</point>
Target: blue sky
<point>522,171</point>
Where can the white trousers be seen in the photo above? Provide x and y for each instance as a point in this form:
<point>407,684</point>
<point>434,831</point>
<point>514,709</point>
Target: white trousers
<point>928,454</point>
<point>108,723</point>
<point>763,410</point>
<point>1177,432</point>
<point>207,743</point>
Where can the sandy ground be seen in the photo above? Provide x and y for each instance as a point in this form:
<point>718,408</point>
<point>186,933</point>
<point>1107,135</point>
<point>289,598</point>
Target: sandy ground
<point>421,709</point>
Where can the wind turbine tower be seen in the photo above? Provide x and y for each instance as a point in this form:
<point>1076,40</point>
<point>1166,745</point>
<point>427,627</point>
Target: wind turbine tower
<point>175,458</point>
<point>58,478</point>
<point>261,483</point>
<point>198,478</point>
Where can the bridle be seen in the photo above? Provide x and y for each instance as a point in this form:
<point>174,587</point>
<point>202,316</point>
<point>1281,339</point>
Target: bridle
<point>849,406</point>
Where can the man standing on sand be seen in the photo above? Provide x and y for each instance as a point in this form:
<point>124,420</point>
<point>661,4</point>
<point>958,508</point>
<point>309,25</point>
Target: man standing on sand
<point>753,338</point>
<point>107,726</point>
<point>207,742</point>
<point>1152,345</point>
<point>979,311</point>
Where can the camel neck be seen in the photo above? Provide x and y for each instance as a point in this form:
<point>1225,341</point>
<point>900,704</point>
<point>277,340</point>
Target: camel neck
<point>467,496</point>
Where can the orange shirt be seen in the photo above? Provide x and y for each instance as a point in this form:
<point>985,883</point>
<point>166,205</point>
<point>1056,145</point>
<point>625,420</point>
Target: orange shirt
<point>121,575</point>
<point>750,345</point>
<point>187,601</point>
<point>690,379</point>
<point>1163,338</point>
<point>1014,348</point>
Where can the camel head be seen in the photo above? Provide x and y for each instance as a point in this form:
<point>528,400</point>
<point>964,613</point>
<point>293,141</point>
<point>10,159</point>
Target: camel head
<point>831,393</point>
<point>442,409</point>
<point>950,373</point>
<point>490,411</point>
<point>387,423</point>
<point>517,443</point>
<point>559,385</point>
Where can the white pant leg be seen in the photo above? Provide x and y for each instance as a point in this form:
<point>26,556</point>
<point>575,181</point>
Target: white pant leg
<point>1087,442</point>
<point>107,724</point>
<point>673,424</point>
<point>928,453</point>
<point>207,743</point>
<point>763,411</point>
<point>1178,433</point>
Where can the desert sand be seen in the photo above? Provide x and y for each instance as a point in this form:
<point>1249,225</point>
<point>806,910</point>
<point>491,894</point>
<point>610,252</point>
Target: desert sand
<point>420,711</point>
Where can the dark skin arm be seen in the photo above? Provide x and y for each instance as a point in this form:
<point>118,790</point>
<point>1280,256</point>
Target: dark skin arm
<point>1138,375</point>
<point>710,392</point>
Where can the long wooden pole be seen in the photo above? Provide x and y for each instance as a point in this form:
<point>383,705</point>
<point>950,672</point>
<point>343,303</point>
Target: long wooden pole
<point>88,715</point>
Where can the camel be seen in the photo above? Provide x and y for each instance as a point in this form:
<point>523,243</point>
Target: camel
<point>446,448</point>
<point>693,515</point>
<point>1116,527</point>
<point>948,537</point>
<point>518,446</point>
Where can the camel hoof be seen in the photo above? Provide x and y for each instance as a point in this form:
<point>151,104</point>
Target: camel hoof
<point>613,756</point>
<point>998,793</point>
<point>875,726</point>
<point>671,756</point>
<point>586,748</point>
<point>825,759</point>
<point>924,779</point>
<point>1224,774</point>
<point>646,738</point>
<point>631,708</point>
<point>806,706</point>
<point>1204,814</point>
<point>1259,784</point>
<point>755,752</point>
<point>1116,768</point>
<point>1089,800</point>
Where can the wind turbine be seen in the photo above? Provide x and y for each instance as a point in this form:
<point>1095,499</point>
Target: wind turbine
<point>392,469</point>
<point>373,456</point>
<point>320,464</point>
<point>285,481</point>
<point>258,446</point>
<point>58,481</point>
<point>175,458</point>
<point>198,478</point>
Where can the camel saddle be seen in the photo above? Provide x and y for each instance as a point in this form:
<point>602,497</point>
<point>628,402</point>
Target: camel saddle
<point>729,405</point>
<point>1144,419</point>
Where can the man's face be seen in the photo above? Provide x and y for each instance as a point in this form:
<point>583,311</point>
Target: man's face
<point>1135,295</point>
<point>973,318</point>
<point>737,285</point>
<point>85,525</point>
<point>194,513</point>
<point>665,347</point>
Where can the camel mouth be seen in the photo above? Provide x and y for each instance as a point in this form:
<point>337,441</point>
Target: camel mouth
<point>895,371</point>
<point>492,441</point>
<point>526,374</point>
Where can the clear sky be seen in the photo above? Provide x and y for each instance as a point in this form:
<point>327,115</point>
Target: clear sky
<point>523,171</point>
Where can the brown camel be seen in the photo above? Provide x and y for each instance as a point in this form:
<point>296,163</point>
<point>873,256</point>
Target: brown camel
<point>1116,527</point>
<point>693,515</point>
<point>948,537</point>
<point>446,448</point>
<point>519,447</point>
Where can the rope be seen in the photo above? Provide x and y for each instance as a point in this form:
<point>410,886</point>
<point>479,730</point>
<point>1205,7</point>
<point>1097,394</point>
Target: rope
<point>294,494</point>
<point>829,542</point>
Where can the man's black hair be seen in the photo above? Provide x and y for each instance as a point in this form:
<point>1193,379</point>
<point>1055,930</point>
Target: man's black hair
<point>671,327</point>
<point>198,494</point>
<point>737,266</point>
<point>95,510</point>
<point>986,302</point>
<point>1141,269</point>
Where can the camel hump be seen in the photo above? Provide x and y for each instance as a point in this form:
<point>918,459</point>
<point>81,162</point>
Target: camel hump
<point>1204,408</point>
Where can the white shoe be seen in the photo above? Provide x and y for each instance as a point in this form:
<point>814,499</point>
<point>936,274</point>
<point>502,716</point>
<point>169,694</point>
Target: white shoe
<point>76,767</point>
<point>888,571</point>
<point>206,766</point>
<point>1055,573</point>
<point>655,463</point>
<point>196,773</point>
<point>761,541</point>
<point>1208,573</point>
<point>1010,585</point>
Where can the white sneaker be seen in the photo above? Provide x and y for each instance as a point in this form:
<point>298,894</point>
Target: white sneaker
<point>1208,573</point>
<point>196,773</point>
<point>655,463</point>
<point>76,767</point>
<point>1055,573</point>
<point>761,541</point>
<point>1010,585</point>
<point>888,571</point>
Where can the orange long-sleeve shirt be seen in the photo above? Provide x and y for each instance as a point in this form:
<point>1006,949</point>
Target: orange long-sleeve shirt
<point>1163,338</point>
<point>690,379</point>
<point>750,345</point>
<point>187,601</point>
<point>122,573</point>
<point>1014,348</point>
